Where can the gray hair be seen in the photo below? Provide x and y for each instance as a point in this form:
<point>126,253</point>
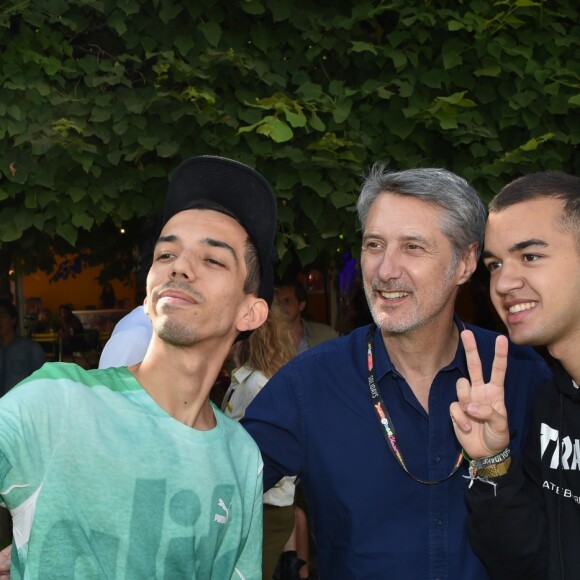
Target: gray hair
<point>464,214</point>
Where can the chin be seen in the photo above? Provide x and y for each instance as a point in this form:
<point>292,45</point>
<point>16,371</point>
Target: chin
<point>526,339</point>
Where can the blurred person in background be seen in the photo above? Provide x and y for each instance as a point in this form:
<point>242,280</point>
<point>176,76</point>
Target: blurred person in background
<point>107,299</point>
<point>291,296</point>
<point>71,331</point>
<point>19,357</point>
<point>45,322</point>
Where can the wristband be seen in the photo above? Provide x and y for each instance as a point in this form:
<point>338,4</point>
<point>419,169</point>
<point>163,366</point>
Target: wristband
<point>495,470</point>
<point>494,466</point>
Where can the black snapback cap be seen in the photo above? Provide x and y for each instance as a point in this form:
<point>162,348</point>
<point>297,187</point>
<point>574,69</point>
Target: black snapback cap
<point>237,188</point>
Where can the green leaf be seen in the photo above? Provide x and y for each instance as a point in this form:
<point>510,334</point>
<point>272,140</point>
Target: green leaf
<point>341,199</point>
<point>117,22</point>
<point>492,70</point>
<point>83,221</point>
<point>254,7</point>
<point>76,193</point>
<point>14,112</point>
<point>310,91</point>
<point>295,119</point>
<point>316,123</point>
<point>455,25</point>
<point>360,46</point>
<point>168,149</point>
<point>342,111</point>
<point>9,232</point>
<point>212,32</point>
<point>67,232</point>
<point>278,130</point>
<point>451,59</point>
<point>169,11</point>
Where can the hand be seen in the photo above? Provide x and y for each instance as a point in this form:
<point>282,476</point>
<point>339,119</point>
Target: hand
<point>479,416</point>
<point>5,561</point>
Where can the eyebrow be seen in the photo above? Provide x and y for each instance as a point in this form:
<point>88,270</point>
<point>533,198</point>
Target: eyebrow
<point>171,238</point>
<point>519,246</point>
<point>406,238</point>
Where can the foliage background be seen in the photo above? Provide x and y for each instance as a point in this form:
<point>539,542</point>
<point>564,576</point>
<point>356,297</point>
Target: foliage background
<point>101,99</point>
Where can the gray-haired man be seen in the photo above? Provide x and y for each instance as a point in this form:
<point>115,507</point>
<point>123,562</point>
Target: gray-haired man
<point>364,419</point>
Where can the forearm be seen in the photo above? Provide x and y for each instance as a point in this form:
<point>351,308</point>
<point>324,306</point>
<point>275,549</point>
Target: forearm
<point>507,526</point>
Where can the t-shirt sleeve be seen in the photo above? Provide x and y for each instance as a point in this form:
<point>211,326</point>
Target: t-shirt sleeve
<point>27,431</point>
<point>249,563</point>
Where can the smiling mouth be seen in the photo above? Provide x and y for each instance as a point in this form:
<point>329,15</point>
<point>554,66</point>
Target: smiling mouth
<point>521,307</point>
<point>393,295</point>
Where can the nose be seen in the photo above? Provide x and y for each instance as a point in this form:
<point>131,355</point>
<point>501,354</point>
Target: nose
<point>506,279</point>
<point>182,267</point>
<point>390,266</point>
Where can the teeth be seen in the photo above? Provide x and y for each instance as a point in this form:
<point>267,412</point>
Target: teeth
<point>521,307</point>
<point>393,295</point>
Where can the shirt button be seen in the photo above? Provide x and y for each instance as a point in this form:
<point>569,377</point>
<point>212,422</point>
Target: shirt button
<point>436,458</point>
<point>438,522</point>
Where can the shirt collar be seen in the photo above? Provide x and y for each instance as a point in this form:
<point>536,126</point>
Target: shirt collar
<point>383,364</point>
<point>242,373</point>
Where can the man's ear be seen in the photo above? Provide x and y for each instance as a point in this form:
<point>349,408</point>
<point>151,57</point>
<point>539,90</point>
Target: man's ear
<point>302,305</point>
<point>145,306</point>
<point>467,263</point>
<point>253,315</point>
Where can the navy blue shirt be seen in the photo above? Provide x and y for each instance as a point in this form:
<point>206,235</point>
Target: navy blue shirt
<point>371,520</point>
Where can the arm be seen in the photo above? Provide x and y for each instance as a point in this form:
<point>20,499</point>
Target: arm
<point>506,523</point>
<point>275,420</point>
<point>5,556</point>
<point>249,562</point>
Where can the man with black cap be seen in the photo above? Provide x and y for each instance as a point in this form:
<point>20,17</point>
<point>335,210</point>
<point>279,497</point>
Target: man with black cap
<point>132,472</point>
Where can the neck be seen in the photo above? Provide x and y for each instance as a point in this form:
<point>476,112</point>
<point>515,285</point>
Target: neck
<point>565,351</point>
<point>297,330</point>
<point>418,357</point>
<point>6,339</point>
<point>180,379</point>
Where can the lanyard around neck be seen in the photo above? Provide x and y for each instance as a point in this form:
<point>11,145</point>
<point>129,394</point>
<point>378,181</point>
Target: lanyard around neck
<point>385,418</point>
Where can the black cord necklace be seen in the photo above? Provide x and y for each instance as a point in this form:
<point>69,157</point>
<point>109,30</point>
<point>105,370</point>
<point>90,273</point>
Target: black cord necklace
<point>385,418</point>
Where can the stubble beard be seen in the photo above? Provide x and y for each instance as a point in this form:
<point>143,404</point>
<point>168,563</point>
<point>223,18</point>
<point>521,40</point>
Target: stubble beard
<point>176,333</point>
<point>413,318</point>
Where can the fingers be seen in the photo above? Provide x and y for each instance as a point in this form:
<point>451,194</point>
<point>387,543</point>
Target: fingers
<point>463,388</point>
<point>498,369</point>
<point>472,357</point>
<point>459,418</point>
<point>5,556</point>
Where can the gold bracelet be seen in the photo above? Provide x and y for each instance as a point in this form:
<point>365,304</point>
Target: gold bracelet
<point>495,469</point>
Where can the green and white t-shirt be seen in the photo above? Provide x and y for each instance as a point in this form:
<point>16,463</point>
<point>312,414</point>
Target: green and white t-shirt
<point>103,484</point>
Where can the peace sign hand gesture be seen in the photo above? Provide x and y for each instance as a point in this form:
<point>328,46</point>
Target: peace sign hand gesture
<point>479,416</point>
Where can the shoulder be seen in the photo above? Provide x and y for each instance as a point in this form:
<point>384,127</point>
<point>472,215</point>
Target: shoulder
<point>47,389</point>
<point>337,355</point>
<point>26,345</point>
<point>318,331</point>
<point>235,433</point>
